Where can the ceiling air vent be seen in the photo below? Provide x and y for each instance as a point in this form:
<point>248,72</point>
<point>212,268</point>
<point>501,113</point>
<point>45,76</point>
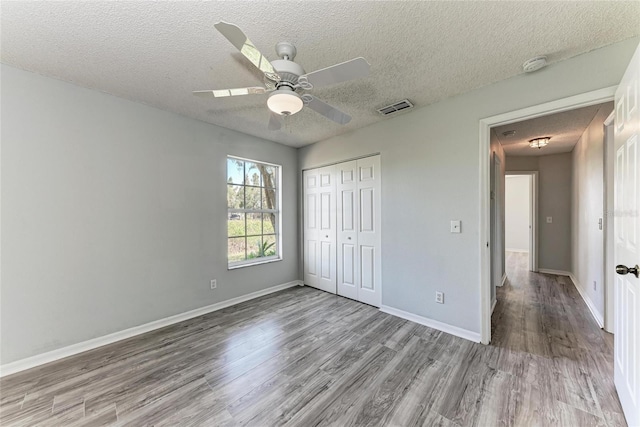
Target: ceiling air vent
<point>394,108</point>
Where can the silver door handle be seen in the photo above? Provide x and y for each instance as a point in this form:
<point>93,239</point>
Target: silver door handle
<point>623,269</point>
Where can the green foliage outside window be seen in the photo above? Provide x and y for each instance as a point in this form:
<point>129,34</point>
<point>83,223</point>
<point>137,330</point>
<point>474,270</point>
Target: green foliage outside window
<point>252,224</point>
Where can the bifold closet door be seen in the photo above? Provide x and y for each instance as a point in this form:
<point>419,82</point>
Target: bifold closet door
<point>342,229</point>
<point>358,221</point>
<point>369,260</point>
<point>310,211</point>
<point>320,228</point>
<point>347,221</point>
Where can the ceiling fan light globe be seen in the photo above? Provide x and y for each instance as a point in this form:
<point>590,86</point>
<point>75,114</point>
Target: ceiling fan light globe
<point>285,103</point>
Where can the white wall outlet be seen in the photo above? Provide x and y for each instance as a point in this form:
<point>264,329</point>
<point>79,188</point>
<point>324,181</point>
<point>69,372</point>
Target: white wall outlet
<point>456,226</point>
<point>549,219</point>
<point>214,284</point>
<point>440,297</point>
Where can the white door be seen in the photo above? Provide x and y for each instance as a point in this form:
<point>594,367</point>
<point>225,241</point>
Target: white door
<point>319,212</point>
<point>369,237</point>
<point>327,230</point>
<point>311,184</point>
<point>347,222</point>
<point>627,241</point>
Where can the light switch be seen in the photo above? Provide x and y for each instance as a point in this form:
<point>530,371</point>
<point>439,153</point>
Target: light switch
<point>455,226</point>
<point>549,220</point>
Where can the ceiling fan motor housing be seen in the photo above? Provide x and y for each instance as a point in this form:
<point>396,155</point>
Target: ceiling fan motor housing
<point>284,100</point>
<point>289,71</point>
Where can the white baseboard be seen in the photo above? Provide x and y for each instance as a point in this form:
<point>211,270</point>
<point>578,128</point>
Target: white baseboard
<point>493,306</point>
<point>444,327</point>
<point>592,308</point>
<point>516,250</point>
<point>504,279</point>
<point>556,272</point>
<point>51,356</point>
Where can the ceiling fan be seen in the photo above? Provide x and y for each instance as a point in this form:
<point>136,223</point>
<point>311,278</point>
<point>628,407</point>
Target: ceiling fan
<point>284,79</point>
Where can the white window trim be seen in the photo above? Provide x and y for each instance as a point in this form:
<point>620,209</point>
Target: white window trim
<point>233,265</point>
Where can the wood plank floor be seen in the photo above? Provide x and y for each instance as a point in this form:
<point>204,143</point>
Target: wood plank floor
<point>303,357</point>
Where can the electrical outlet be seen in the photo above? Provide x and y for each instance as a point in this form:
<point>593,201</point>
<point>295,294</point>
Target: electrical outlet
<point>594,285</point>
<point>440,297</point>
<point>214,284</point>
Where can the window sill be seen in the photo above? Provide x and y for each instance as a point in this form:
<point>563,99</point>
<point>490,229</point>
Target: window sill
<point>242,264</point>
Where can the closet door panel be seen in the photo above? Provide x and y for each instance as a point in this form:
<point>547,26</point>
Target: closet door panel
<point>369,240</point>
<point>311,256</point>
<point>311,232</point>
<point>347,225</point>
<point>326,210</point>
<point>367,263</point>
<point>367,214</point>
<point>348,265</point>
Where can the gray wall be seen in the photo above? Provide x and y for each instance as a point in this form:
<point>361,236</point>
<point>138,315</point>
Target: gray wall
<point>113,214</point>
<point>588,208</point>
<point>430,171</point>
<point>554,200</point>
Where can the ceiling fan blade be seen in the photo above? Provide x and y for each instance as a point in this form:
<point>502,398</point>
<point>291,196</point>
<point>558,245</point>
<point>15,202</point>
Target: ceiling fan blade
<point>233,92</point>
<point>275,121</point>
<point>332,113</point>
<point>353,69</point>
<point>237,38</point>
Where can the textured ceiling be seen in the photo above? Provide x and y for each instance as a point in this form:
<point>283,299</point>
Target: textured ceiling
<point>565,129</point>
<point>158,52</point>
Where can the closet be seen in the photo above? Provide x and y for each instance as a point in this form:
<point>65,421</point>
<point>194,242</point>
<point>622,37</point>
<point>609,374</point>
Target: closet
<point>341,214</point>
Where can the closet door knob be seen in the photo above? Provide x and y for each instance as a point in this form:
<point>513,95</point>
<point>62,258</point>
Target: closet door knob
<point>349,238</point>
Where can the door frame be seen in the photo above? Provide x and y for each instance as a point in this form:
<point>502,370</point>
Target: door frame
<point>607,223</point>
<point>497,233</point>
<point>564,104</point>
<point>533,215</point>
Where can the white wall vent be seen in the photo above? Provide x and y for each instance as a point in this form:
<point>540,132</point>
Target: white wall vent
<point>394,108</point>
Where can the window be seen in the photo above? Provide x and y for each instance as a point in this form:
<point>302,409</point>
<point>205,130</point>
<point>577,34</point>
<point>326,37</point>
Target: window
<point>253,219</point>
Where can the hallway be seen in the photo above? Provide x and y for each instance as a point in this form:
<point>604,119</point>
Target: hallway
<point>547,338</point>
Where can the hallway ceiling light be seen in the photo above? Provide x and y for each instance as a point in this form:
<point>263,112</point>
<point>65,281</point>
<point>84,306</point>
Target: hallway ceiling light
<point>539,142</point>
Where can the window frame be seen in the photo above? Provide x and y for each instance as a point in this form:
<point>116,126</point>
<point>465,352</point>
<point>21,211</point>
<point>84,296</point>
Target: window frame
<point>232,265</point>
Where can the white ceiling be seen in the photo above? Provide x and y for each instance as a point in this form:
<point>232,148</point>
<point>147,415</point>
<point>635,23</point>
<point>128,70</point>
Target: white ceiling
<point>158,52</point>
<point>565,129</point>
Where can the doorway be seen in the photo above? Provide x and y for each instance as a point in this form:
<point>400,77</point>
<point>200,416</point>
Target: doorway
<point>571,103</point>
<point>521,200</point>
<point>626,223</point>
